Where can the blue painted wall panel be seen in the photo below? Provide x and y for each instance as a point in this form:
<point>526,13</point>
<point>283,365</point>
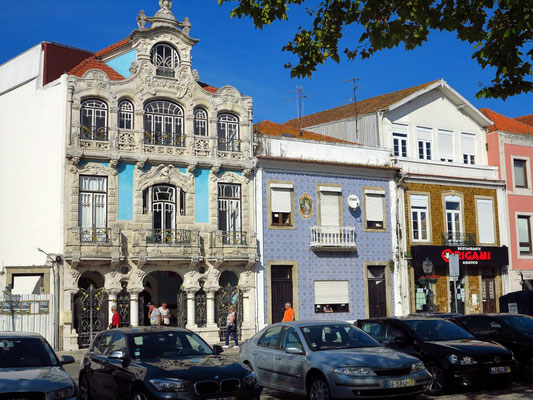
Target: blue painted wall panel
<point>201,195</point>
<point>125,191</point>
<point>122,63</point>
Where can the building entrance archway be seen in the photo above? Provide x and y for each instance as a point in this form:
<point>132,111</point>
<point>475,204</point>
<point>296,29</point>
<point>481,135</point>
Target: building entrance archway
<point>90,308</point>
<point>162,286</point>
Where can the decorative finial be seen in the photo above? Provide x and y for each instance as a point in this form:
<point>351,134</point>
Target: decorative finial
<point>165,5</point>
<point>186,26</point>
<point>141,19</point>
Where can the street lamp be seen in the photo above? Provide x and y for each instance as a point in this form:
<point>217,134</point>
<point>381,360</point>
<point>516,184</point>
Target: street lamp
<point>428,280</point>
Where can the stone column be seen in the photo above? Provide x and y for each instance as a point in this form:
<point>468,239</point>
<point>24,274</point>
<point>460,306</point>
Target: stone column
<point>134,308</point>
<point>246,316</point>
<point>191,310</point>
<point>70,336</point>
<point>211,323</point>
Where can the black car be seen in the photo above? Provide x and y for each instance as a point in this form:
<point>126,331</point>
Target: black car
<point>451,355</point>
<point>29,368</point>
<point>161,363</point>
<point>514,331</point>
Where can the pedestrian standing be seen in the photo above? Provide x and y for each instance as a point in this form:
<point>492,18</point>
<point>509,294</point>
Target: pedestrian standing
<point>115,319</point>
<point>165,313</point>
<point>231,328</point>
<point>288,315</point>
<point>154,315</point>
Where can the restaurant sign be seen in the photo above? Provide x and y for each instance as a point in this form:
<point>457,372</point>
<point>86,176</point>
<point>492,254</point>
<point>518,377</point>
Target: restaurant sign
<point>480,256</point>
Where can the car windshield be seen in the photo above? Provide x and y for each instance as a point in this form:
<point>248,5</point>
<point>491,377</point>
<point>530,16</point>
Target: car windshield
<point>520,323</point>
<point>436,329</point>
<point>168,344</point>
<point>333,337</point>
<point>26,353</point>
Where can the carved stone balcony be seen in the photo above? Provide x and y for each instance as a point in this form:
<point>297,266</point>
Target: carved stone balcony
<point>458,239</point>
<point>233,246</point>
<point>93,244</point>
<point>180,245</point>
<point>333,238</point>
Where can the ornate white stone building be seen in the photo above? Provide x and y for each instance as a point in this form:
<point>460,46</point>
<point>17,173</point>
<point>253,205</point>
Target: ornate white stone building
<point>157,187</point>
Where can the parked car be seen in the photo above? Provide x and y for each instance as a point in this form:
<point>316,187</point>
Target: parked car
<point>514,331</point>
<point>161,363</point>
<point>452,356</point>
<point>29,368</point>
<point>326,360</point>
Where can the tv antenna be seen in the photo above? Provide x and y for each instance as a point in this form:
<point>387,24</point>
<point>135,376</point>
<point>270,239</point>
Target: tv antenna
<point>355,87</point>
<point>299,105</point>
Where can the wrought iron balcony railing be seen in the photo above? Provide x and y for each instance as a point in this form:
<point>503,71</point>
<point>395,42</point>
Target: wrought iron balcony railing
<point>233,238</point>
<point>170,237</point>
<point>95,235</point>
<point>333,237</point>
<point>93,133</point>
<point>229,144</point>
<point>164,139</point>
<point>458,239</point>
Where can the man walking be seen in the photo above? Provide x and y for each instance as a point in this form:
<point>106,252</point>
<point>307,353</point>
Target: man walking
<point>154,315</point>
<point>288,315</point>
<point>165,313</point>
<point>231,328</point>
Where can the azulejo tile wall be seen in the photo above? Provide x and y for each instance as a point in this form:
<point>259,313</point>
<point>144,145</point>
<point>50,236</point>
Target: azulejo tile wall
<point>293,245</point>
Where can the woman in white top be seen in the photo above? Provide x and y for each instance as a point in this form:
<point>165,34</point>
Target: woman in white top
<point>165,313</point>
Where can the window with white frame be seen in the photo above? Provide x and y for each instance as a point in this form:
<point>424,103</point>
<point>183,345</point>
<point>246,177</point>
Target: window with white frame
<point>163,124</point>
<point>453,218</point>
<point>125,114</point>
<point>332,296</point>
<point>93,120</point>
<point>419,217</point>
<point>446,145</point>
<point>468,146</point>
<point>329,206</point>
<point>424,142</point>
<point>229,212</point>
<point>228,133</point>
<point>520,173</point>
<point>93,209</point>
<point>281,195</point>
<point>200,122</point>
<point>399,140</point>
<point>374,209</point>
<point>485,221</point>
<point>524,235</point>
<point>166,58</point>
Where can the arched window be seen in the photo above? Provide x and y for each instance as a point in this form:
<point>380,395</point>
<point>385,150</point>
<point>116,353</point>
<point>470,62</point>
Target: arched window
<point>166,58</point>
<point>125,115</point>
<point>163,124</point>
<point>93,120</point>
<point>200,122</point>
<point>228,133</point>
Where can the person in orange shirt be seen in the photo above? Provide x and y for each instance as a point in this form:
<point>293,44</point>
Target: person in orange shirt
<point>288,315</point>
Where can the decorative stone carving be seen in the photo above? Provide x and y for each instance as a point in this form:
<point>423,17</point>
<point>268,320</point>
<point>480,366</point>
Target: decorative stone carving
<point>191,167</point>
<point>96,169</point>
<point>196,75</point>
<point>141,19</point>
<point>165,174</point>
<point>186,27</point>
<point>141,162</point>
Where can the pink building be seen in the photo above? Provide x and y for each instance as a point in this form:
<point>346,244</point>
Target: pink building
<point>510,147</point>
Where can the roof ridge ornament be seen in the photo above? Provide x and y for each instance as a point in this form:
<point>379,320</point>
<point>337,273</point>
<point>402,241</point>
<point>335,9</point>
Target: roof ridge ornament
<point>163,17</point>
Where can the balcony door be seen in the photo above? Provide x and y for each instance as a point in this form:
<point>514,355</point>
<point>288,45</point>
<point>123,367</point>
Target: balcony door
<point>93,209</point>
<point>163,212</point>
<point>453,218</point>
<point>229,212</point>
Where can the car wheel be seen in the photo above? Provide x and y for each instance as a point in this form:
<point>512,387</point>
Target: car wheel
<point>139,394</point>
<point>437,383</point>
<point>528,369</point>
<point>85,391</point>
<point>318,389</point>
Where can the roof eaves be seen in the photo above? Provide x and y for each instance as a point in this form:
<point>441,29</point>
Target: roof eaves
<point>413,96</point>
<point>340,164</point>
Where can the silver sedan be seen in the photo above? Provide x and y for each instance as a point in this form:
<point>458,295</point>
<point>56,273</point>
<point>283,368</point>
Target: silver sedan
<point>327,360</point>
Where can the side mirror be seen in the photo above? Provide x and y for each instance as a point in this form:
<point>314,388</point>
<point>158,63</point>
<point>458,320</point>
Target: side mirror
<point>401,341</point>
<point>294,350</point>
<point>117,355</point>
<point>64,360</point>
<point>217,349</point>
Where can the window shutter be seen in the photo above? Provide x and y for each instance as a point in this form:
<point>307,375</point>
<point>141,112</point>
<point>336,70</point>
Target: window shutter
<point>280,200</point>
<point>423,133</point>
<point>419,201</point>
<point>374,206</point>
<point>446,144</point>
<point>485,221</point>
<point>398,128</point>
<point>332,292</point>
<point>329,209</point>
<point>468,143</point>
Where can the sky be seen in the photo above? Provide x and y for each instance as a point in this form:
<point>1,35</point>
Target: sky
<point>232,51</point>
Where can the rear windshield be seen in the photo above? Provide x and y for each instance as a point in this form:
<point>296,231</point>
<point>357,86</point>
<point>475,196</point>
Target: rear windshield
<point>153,345</point>
<point>333,337</point>
<point>436,329</point>
<point>520,323</point>
<point>26,353</point>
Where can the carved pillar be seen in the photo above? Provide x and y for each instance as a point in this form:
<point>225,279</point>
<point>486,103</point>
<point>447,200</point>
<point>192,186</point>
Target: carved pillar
<point>191,310</point>
<point>211,323</point>
<point>134,308</point>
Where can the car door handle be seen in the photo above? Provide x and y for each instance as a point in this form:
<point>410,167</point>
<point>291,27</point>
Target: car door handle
<point>254,353</point>
<point>277,358</point>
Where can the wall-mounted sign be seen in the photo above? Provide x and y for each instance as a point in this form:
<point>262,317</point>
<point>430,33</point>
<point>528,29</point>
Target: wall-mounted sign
<point>305,206</point>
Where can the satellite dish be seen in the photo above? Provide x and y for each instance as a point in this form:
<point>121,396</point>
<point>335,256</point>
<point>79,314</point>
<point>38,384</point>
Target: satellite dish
<point>353,201</point>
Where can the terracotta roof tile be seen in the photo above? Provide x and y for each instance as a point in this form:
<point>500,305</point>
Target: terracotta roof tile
<point>274,129</point>
<point>95,63</point>
<point>208,87</point>
<point>112,47</point>
<point>506,124</point>
<point>525,119</point>
<point>367,106</point>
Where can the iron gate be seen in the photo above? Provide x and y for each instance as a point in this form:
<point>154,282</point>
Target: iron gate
<point>200,304</point>
<point>123,307</point>
<point>90,314</point>
<point>181,309</point>
<point>225,297</point>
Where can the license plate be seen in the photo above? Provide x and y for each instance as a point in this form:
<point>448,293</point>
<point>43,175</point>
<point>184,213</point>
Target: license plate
<point>399,383</point>
<point>500,370</point>
<point>225,398</point>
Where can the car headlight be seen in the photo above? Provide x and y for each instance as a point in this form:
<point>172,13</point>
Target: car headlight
<point>354,371</point>
<point>63,394</point>
<point>249,379</point>
<point>461,360</point>
<point>417,367</point>
<point>169,385</point>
